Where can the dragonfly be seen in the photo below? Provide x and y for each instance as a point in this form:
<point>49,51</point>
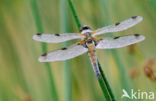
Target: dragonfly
<point>89,42</point>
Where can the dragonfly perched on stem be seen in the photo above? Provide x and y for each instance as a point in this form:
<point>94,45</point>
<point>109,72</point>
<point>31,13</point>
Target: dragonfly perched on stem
<point>89,42</point>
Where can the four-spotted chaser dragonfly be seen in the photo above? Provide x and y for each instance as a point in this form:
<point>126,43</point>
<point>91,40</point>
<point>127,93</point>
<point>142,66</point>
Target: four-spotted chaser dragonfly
<point>89,43</point>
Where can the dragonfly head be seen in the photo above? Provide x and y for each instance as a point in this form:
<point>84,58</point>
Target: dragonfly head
<point>85,29</point>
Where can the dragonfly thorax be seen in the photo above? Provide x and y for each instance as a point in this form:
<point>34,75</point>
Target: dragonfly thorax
<point>91,41</point>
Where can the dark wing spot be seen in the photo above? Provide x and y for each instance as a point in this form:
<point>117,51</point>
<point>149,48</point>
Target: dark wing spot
<point>117,23</point>
<point>39,34</point>
<point>136,35</point>
<point>57,34</point>
<point>45,54</point>
<point>64,48</point>
<point>134,17</point>
<point>117,37</point>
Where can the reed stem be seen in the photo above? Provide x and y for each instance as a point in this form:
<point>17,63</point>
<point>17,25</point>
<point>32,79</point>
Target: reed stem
<point>107,92</point>
<point>123,77</point>
<point>39,27</point>
<point>67,73</point>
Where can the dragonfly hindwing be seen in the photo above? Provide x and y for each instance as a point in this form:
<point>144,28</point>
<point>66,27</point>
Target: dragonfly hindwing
<point>120,41</point>
<point>63,53</point>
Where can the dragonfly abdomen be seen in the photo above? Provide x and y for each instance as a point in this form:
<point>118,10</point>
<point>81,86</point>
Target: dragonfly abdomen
<point>96,70</point>
<point>93,58</point>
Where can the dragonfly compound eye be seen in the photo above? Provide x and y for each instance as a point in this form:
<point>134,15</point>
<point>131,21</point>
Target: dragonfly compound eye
<point>84,28</point>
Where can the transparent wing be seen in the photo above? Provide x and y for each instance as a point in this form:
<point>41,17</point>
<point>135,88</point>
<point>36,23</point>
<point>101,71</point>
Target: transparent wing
<point>118,42</point>
<point>63,54</point>
<point>120,26</point>
<point>56,38</point>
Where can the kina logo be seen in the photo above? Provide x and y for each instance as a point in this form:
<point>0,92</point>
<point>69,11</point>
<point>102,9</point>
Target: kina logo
<point>138,94</point>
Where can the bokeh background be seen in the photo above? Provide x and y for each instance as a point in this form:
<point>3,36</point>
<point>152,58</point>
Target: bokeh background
<point>23,78</point>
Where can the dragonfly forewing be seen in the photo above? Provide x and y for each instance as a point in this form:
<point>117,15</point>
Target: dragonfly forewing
<point>56,38</point>
<point>119,26</point>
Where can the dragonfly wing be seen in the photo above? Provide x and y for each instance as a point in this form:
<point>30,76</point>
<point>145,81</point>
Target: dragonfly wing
<point>63,54</point>
<point>119,26</point>
<point>56,38</point>
<point>118,42</point>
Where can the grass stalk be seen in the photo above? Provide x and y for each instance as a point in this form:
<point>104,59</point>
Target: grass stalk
<point>153,3</point>
<point>64,28</point>
<point>78,22</point>
<point>16,59</point>
<point>107,92</point>
<point>105,86</point>
<point>39,27</point>
<point>123,77</point>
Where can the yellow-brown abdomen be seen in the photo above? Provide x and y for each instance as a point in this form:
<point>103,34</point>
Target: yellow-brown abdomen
<point>93,58</point>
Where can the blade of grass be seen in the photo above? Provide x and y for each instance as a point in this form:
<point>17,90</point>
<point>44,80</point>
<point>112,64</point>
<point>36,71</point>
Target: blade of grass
<point>105,84</point>
<point>64,28</point>
<point>153,3</point>
<point>102,81</point>
<point>39,27</point>
<point>16,60</point>
<point>122,72</point>
<point>78,22</point>
<point>123,77</point>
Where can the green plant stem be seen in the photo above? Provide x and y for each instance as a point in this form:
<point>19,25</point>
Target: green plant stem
<point>103,82</point>
<point>39,27</point>
<point>67,73</point>
<point>123,77</point>
<point>105,85</point>
<point>78,22</point>
<point>153,3</point>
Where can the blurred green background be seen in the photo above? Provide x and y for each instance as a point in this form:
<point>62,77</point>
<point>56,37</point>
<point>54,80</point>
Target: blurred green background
<point>23,78</point>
